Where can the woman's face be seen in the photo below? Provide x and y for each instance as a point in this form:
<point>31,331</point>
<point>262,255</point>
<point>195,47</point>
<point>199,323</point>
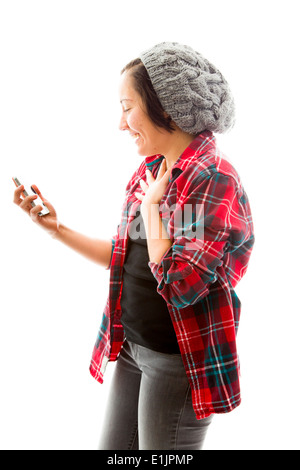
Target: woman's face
<point>149,139</point>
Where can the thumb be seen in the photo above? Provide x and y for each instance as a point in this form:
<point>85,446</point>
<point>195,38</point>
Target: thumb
<point>36,190</point>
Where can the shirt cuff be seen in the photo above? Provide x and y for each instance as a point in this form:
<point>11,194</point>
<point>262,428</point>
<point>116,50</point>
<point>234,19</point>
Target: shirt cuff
<point>112,251</point>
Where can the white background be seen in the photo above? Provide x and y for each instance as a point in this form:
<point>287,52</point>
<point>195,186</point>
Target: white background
<point>59,112</point>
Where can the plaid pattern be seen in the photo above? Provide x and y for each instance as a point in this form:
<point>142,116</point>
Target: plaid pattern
<point>196,276</point>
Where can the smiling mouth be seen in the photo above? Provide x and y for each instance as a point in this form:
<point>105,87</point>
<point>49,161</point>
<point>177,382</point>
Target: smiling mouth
<point>135,137</point>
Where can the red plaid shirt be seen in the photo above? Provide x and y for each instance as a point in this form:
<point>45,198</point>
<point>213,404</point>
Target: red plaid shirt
<point>196,276</point>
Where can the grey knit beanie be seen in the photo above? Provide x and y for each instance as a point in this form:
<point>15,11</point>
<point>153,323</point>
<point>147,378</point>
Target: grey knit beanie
<point>190,89</point>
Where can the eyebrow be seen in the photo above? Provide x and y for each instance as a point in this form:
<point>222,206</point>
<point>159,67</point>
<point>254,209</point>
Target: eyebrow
<point>125,99</point>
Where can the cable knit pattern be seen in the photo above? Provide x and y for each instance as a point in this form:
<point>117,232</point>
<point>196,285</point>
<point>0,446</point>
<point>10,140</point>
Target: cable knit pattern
<point>191,89</point>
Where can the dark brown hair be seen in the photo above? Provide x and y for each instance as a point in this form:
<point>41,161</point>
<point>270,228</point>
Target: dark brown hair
<point>143,85</point>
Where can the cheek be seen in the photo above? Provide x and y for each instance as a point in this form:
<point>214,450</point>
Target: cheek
<point>133,121</point>
<point>138,122</point>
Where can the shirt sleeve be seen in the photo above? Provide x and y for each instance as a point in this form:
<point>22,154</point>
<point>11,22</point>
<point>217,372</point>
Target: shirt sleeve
<point>221,226</point>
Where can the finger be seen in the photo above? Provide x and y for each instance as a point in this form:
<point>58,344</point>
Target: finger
<point>139,196</point>
<point>17,195</point>
<point>34,212</point>
<point>165,179</point>
<point>26,204</point>
<point>167,173</point>
<point>149,176</point>
<point>143,185</point>
<point>161,170</point>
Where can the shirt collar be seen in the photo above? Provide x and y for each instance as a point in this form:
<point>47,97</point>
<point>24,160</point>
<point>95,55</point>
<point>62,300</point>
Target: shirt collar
<point>197,148</point>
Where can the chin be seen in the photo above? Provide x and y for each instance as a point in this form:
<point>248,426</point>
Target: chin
<point>142,151</point>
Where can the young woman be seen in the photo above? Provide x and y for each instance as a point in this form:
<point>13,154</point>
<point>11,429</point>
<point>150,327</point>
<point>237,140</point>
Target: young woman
<point>182,245</point>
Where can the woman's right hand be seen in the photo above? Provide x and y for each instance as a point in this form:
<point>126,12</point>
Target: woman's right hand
<point>48,222</point>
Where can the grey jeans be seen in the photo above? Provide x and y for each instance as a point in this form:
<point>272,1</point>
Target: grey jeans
<point>150,404</point>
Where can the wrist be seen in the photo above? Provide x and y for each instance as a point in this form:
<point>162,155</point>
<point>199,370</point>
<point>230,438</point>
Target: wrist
<point>149,207</point>
<point>57,233</point>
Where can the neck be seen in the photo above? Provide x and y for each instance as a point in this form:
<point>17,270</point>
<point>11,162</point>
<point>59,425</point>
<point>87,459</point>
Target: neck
<point>179,141</point>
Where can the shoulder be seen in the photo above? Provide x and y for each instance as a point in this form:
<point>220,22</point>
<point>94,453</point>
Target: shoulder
<point>213,167</point>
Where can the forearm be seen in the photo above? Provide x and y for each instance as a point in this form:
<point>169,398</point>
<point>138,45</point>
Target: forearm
<point>157,237</point>
<point>98,251</point>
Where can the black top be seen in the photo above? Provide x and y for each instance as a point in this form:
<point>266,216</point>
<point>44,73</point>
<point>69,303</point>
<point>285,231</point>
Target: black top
<point>145,315</point>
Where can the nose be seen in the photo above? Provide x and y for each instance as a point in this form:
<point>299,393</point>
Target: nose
<point>123,126</point>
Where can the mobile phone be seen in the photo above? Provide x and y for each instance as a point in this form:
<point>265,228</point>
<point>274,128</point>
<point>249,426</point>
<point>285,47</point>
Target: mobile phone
<point>36,202</point>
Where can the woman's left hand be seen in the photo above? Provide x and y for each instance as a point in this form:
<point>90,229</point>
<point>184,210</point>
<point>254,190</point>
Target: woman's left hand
<point>154,189</point>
